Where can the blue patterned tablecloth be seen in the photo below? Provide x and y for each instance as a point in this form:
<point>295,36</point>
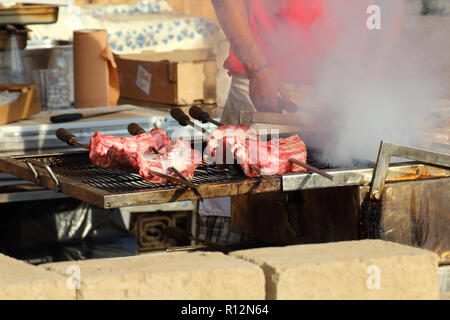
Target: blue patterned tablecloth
<point>148,25</point>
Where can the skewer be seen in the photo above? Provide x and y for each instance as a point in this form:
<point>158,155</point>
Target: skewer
<point>197,113</point>
<point>135,129</point>
<point>312,169</point>
<point>69,138</point>
<point>183,120</point>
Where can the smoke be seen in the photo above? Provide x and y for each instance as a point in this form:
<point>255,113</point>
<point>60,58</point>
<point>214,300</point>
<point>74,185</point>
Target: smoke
<point>370,84</point>
<point>375,84</point>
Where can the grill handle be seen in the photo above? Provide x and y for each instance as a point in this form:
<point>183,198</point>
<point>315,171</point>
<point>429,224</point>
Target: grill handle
<point>134,129</point>
<point>69,138</point>
<point>184,120</point>
<point>180,116</point>
<point>198,114</point>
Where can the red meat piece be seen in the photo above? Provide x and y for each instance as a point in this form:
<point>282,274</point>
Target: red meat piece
<point>177,154</point>
<point>271,157</point>
<point>118,152</point>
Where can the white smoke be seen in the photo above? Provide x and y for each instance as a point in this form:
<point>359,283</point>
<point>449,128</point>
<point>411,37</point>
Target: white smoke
<point>385,93</point>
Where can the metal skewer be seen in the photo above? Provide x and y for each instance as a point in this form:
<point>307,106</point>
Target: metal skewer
<point>312,169</point>
<point>135,129</point>
<point>69,138</point>
<point>197,113</point>
<point>184,120</point>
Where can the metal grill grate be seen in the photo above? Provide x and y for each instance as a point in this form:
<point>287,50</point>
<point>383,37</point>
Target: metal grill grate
<point>77,166</point>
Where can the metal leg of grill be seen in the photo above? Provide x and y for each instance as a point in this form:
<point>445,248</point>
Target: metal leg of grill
<point>194,222</point>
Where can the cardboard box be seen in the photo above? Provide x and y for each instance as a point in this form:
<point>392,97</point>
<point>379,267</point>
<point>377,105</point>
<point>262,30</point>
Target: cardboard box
<point>172,78</point>
<point>25,106</point>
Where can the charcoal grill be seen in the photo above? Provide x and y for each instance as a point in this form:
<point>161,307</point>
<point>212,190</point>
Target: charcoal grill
<point>355,204</point>
<point>72,173</point>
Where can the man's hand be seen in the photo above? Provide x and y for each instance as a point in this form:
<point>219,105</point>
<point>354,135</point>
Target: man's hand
<point>265,90</point>
<point>265,85</point>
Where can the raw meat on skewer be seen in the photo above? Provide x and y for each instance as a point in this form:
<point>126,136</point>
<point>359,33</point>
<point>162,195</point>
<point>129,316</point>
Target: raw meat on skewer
<point>271,157</point>
<point>177,154</point>
<point>117,152</point>
<point>140,153</point>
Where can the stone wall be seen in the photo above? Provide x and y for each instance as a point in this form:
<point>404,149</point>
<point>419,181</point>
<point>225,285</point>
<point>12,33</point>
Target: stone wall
<point>366,269</point>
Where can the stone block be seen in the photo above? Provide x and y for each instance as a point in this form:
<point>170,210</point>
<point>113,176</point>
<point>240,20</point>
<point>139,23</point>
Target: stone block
<point>178,276</point>
<point>366,269</point>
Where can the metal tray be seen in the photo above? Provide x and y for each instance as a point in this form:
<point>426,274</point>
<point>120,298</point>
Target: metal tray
<point>29,14</point>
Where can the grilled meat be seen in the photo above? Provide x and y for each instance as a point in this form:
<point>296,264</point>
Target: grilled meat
<point>118,152</point>
<point>271,157</point>
<point>136,152</point>
<point>177,154</point>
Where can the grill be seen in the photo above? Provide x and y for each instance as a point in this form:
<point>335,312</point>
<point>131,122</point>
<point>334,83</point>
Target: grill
<point>77,166</point>
<point>72,173</point>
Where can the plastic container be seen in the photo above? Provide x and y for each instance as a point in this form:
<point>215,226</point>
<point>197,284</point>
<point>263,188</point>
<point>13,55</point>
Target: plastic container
<point>39,77</point>
<point>12,66</point>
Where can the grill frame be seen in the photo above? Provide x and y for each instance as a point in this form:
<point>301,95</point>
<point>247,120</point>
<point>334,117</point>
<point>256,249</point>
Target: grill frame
<point>77,166</point>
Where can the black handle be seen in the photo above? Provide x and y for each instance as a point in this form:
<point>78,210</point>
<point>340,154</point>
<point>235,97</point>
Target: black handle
<point>197,113</point>
<point>134,129</point>
<point>66,136</point>
<point>66,117</point>
<point>180,116</point>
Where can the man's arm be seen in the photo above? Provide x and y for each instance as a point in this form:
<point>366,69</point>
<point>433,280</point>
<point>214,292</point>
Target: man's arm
<point>265,85</point>
<point>234,19</point>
